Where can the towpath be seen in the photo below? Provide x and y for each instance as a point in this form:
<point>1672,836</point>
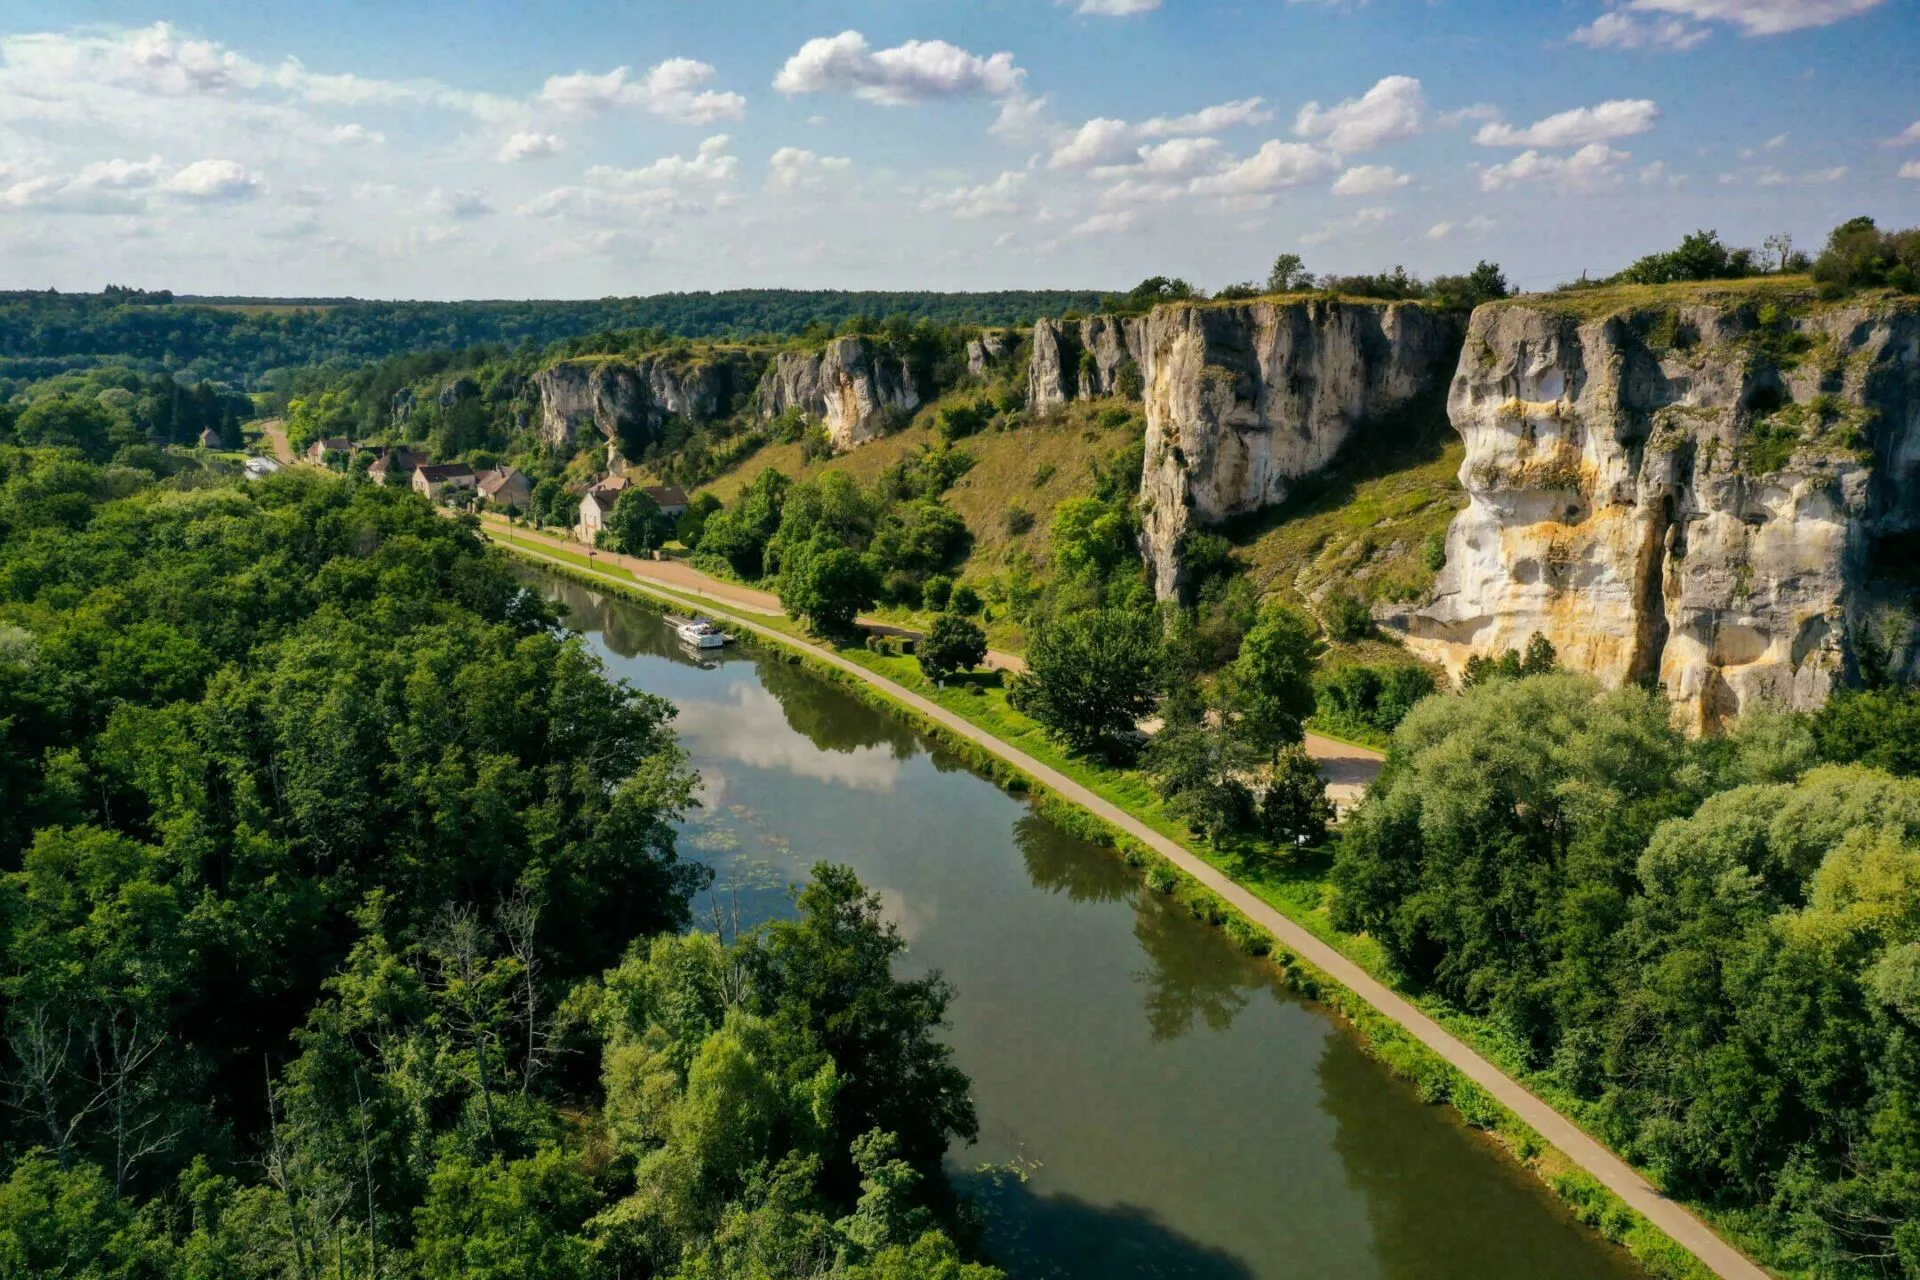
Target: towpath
<point>1568,1138</point>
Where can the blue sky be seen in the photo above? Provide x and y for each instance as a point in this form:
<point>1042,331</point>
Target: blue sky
<point>514,150</point>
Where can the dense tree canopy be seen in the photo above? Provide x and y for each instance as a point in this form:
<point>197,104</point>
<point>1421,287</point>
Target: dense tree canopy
<point>1714,946</point>
<point>340,912</point>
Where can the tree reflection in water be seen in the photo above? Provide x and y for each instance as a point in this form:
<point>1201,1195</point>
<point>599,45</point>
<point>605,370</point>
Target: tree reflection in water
<point>1404,1158</point>
<point>831,719</point>
<point>1062,1237</point>
<point>1192,975</point>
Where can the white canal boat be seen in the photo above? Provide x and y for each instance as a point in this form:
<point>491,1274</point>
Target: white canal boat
<point>697,633</point>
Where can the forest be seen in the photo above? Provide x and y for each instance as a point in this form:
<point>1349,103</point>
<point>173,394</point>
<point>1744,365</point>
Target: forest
<point>244,342</point>
<point>345,933</point>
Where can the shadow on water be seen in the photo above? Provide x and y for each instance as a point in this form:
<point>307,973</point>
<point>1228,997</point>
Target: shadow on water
<point>1034,1236</point>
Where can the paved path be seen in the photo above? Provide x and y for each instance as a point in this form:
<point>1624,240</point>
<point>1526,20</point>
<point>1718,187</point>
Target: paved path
<point>1571,1140</point>
<point>687,580</point>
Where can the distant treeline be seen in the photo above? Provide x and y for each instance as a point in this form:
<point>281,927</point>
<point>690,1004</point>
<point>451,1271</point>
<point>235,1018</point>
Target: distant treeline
<point>243,343</point>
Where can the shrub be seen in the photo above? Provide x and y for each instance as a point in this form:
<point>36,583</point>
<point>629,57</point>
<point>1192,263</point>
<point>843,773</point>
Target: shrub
<point>1433,552</point>
<point>1348,619</point>
<point>936,591</point>
<point>1018,520</point>
<point>964,600</point>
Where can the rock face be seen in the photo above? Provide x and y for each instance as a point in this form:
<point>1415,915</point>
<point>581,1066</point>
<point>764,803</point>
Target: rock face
<point>461,388</point>
<point>1699,495</point>
<point>1082,359</point>
<point>402,406</point>
<point>1244,400</point>
<point>857,390</point>
<point>632,398</point>
<point>988,352</point>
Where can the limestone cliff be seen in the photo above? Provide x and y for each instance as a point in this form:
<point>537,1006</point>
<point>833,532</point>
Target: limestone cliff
<point>1243,400</point>
<point>851,385</point>
<point>629,399</point>
<point>988,352</point>
<point>1699,493</point>
<point>1082,359</point>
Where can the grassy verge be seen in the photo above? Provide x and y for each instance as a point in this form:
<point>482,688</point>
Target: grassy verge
<point>1295,886</point>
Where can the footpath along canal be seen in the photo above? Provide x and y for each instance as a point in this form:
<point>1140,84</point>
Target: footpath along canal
<point>1152,1102</point>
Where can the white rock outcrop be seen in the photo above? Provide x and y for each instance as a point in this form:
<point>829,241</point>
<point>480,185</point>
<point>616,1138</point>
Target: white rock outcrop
<point>1701,495</point>
<point>850,385</point>
<point>1083,359</point>
<point>1244,400</point>
<point>634,396</point>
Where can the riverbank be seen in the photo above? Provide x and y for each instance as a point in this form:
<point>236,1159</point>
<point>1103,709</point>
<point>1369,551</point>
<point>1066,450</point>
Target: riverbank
<point>1277,909</point>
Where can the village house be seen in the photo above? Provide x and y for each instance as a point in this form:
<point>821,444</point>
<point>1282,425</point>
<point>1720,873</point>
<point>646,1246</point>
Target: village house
<point>395,462</point>
<point>434,479</point>
<point>506,487</point>
<point>670,498</point>
<point>209,439</point>
<point>596,505</point>
<point>330,446</point>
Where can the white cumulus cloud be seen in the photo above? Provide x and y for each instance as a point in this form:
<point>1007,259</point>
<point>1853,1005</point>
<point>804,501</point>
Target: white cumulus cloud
<point>1276,165</point>
<point>1097,142</point>
<point>358,134</point>
<point>999,198</point>
<point>1620,30</point>
<point>711,163</point>
<point>1225,115</point>
<point>797,169</point>
<point>673,90</point>
<point>211,180</point>
<point>1907,135</point>
<point>1369,180</point>
<point>1911,169</point>
<point>1113,8</point>
<point>1110,223</point>
<point>1391,110</point>
<point>917,71</point>
<point>1619,118</point>
<point>528,145</point>
<point>1591,165</point>
<point>1762,17</point>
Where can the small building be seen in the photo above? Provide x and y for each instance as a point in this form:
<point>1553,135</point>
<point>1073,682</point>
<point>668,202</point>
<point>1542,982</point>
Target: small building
<point>596,505</point>
<point>432,480</point>
<point>670,498</point>
<point>506,487</point>
<point>397,461</point>
<point>209,439</point>
<point>320,450</point>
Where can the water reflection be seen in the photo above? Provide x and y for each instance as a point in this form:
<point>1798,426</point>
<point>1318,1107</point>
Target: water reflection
<point>1177,1112</point>
<point>1417,1233</point>
<point>1061,1236</point>
<point>1059,863</point>
<point>830,718</point>
<point>1191,976</point>
<point>757,727</point>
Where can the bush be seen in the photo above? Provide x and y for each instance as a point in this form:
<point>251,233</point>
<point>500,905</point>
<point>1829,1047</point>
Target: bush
<point>1348,619</point>
<point>1018,520</point>
<point>964,600</point>
<point>953,644</point>
<point>936,591</point>
<point>1433,552</point>
<point>1878,727</point>
<point>1376,698</point>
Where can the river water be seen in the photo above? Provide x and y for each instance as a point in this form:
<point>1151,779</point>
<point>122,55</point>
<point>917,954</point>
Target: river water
<point>1152,1103</point>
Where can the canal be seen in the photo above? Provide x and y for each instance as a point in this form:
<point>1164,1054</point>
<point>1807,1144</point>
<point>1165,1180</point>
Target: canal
<point>1152,1103</point>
